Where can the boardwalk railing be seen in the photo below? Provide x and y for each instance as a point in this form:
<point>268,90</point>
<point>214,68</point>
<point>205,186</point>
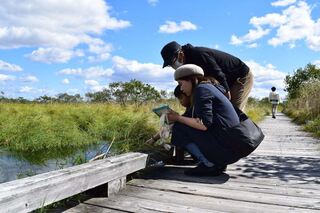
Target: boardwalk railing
<point>27,194</point>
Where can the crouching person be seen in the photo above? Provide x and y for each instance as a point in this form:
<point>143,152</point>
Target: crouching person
<point>205,133</point>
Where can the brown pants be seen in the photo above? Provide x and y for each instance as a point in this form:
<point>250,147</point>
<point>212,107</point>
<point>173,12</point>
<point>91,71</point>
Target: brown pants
<point>241,89</point>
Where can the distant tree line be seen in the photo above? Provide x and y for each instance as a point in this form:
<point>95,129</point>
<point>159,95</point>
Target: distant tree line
<point>301,77</point>
<point>134,91</point>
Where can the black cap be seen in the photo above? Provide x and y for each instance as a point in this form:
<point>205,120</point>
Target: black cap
<point>168,52</point>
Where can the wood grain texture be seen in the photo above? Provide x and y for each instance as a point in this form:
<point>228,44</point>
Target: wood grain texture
<point>25,195</point>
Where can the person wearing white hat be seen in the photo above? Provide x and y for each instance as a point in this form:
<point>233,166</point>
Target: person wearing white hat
<point>211,111</point>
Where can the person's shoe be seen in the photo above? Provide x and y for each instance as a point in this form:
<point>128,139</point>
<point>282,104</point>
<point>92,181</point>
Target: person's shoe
<point>273,116</point>
<point>202,170</point>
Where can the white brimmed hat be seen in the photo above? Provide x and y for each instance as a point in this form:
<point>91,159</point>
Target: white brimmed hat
<point>187,70</point>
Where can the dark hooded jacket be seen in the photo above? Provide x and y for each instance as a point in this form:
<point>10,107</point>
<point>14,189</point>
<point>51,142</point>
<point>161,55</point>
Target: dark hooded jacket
<point>220,65</point>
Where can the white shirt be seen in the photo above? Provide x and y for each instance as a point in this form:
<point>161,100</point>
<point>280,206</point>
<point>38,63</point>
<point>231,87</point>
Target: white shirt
<point>274,98</point>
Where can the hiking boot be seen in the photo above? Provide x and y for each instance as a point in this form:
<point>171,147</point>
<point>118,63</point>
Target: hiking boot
<point>202,170</point>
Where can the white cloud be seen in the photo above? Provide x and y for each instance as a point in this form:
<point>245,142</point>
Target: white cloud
<point>266,76</point>
<point>65,81</point>
<point>26,89</point>
<point>73,91</point>
<point>91,82</point>
<point>272,19</point>
<point>153,74</point>
<point>70,71</point>
<point>30,79</point>
<point>253,45</point>
<point>98,88</point>
<point>53,55</point>
<point>317,63</point>
<point>94,86</point>
<point>5,66</point>
<point>147,70</point>
<point>236,40</point>
<point>54,24</point>
<point>101,51</point>
<point>299,25</point>
<point>173,27</point>
<point>294,23</point>
<point>91,72</point>
<point>4,78</point>
<point>250,37</point>
<point>153,2</point>
<point>263,73</point>
<point>282,3</point>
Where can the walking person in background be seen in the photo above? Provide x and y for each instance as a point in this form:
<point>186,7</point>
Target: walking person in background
<point>274,99</point>
<point>232,73</point>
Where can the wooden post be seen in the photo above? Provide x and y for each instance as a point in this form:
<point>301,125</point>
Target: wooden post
<point>116,185</point>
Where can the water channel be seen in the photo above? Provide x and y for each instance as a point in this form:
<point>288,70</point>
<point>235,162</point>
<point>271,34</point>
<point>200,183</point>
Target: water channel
<point>14,166</point>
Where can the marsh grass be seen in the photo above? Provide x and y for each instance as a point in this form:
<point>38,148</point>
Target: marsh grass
<point>53,130</point>
<point>38,132</point>
<point>257,110</point>
<point>305,109</point>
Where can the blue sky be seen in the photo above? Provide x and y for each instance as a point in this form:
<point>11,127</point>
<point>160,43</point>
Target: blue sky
<point>79,46</point>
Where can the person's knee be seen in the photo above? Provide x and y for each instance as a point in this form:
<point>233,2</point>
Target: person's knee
<point>178,132</point>
<point>178,127</point>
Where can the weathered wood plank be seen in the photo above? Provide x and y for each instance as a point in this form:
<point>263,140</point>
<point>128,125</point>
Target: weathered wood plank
<point>133,204</point>
<point>176,173</point>
<point>286,190</point>
<point>241,194</point>
<point>34,192</point>
<point>205,202</point>
<point>302,154</point>
<point>85,208</point>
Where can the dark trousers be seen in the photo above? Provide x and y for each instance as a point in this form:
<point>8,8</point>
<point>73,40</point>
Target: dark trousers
<point>209,144</point>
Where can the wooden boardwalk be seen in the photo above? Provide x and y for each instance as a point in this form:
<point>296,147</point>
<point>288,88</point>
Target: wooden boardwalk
<point>282,175</point>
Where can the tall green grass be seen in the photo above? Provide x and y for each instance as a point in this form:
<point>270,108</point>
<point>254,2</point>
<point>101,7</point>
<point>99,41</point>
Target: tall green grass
<point>57,130</point>
<point>257,110</point>
<point>306,108</point>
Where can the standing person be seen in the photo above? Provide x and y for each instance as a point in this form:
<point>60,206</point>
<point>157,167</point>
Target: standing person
<point>232,73</point>
<point>204,134</point>
<point>274,99</point>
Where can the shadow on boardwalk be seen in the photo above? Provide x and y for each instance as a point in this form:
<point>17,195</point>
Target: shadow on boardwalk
<point>304,169</point>
<point>282,135</point>
<point>285,169</point>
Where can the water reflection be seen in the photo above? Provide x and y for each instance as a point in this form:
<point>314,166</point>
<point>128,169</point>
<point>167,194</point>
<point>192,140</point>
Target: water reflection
<point>18,165</point>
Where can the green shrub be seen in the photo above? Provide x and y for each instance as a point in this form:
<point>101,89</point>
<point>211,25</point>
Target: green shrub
<point>257,110</point>
<point>306,108</point>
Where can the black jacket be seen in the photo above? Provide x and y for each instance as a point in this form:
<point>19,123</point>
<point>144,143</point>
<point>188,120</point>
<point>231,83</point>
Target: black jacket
<point>220,65</point>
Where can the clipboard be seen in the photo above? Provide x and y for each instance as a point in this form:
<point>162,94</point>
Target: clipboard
<point>161,109</point>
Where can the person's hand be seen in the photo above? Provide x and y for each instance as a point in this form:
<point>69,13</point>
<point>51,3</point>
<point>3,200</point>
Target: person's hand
<point>172,116</point>
<point>228,95</point>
